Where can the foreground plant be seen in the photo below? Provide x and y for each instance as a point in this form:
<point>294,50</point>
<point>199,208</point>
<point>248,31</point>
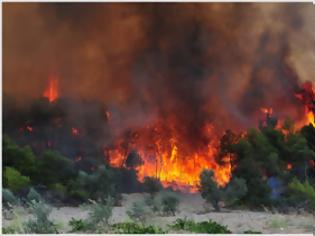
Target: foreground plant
<point>40,222</point>
<point>133,228</point>
<point>209,227</point>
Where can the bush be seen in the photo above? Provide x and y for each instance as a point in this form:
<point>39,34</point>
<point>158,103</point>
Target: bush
<point>100,184</point>
<point>133,228</point>
<point>169,203</point>
<point>151,185</point>
<point>154,203</point>
<point>40,224</point>
<point>99,213</point>
<point>20,158</point>
<point>55,168</point>
<point>33,195</point>
<point>303,191</point>
<point>14,180</point>
<point>209,189</point>
<point>9,198</point>
<point>139,212</point>
<point>234,191</point>
<point>77,225</point>
<point>209,227</point>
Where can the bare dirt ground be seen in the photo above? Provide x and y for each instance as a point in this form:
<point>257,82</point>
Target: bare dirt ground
<point>193,207</point>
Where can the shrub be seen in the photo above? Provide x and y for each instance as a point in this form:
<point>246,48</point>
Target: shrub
<point>133,159</point>
<point>9,198</point>
<point>169,203</point>
<point>55,168</point>
<point>14,180</point>
<point>99,213</point>
<point>133,228</point>
<point>209,227</point>
<point>20,158</point>
<point>33,195</point>
<point>139,212</point>
<point>303,191</point>
<point>40,223</point>
<point>154,203</point>
<point>234,191</point>
<point>252,232</point>
<point>151,185</point>
<point>100,184</point>
<point>209,189</point>
<point>77,225</point>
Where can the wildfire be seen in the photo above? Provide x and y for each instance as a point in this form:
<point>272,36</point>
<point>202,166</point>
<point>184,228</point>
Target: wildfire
<point>51,92</point>
<point>289,166</point>
<point>172,162</point>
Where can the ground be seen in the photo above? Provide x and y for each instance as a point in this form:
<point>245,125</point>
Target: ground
<point>193,207</point>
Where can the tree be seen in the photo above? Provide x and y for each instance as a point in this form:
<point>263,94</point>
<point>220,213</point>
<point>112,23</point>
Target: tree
<point>169,203</point>
<point>133,159</point>
<point>14,181</point>
<point>209,189</point>
<point>55,168</point>
<point>20,158</point>
<point>151,185</point>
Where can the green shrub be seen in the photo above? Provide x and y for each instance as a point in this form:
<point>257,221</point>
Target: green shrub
<point>209,189</point>
<point>20,158</point>
<point>151,185</point>
<point>303,191</point>
<point>33,195</point>
<point>133,228</point>
<point>139,212</point>
<point>77,225</point>
<point>234,191</point>
<point>169,203</point>
<point>99,214</point>
<point>9,198</point>
<point>209,227</point>
<point>40,223</point>
<point>252,232</point>
<point>14,180</point>
<point>154,203</point>
<point>55,168</point>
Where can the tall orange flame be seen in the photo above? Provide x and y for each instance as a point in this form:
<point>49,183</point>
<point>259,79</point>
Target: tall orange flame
<point>51,92</point>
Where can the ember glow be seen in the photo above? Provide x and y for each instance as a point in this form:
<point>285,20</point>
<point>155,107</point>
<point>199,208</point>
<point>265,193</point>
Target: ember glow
<point>51,92</point>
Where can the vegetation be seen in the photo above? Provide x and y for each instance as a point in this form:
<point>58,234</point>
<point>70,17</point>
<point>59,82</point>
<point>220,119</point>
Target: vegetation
<point>14,180</point>
<point>209,189</point>
<point>8,198</point>
<point>77,225</point>
<point>152,185</point>
<point>303,192</point>
<point>133,228</point>
<point>40,223</point>
<point>99,213</point>
<point>139,212</point>
<point>209,227</point>
<point>169,203</point>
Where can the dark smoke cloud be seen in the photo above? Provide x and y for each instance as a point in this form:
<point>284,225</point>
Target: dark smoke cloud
<point>186,64</point>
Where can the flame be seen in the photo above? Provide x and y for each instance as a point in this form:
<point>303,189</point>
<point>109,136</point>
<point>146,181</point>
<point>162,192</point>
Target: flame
<point>75,131</point>
<point>29,128</point>
<point>289,166</point>
<point>51,92</point>
<point>170,161</point>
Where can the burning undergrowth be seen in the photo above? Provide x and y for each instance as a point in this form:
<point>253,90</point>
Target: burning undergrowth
<point>165,81</point>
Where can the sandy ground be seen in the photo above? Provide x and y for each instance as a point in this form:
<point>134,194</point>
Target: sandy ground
<point>193,207</point>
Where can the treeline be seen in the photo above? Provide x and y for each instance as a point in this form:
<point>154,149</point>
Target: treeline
<point>270,167</point>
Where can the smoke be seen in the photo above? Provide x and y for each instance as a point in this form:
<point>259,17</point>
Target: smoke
<point>185,64</point>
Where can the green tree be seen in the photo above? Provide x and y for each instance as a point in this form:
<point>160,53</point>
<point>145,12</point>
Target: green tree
<point>151,185</point>
<point>14,181</point>
<point>209,189</point>
<point>55,168</point>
